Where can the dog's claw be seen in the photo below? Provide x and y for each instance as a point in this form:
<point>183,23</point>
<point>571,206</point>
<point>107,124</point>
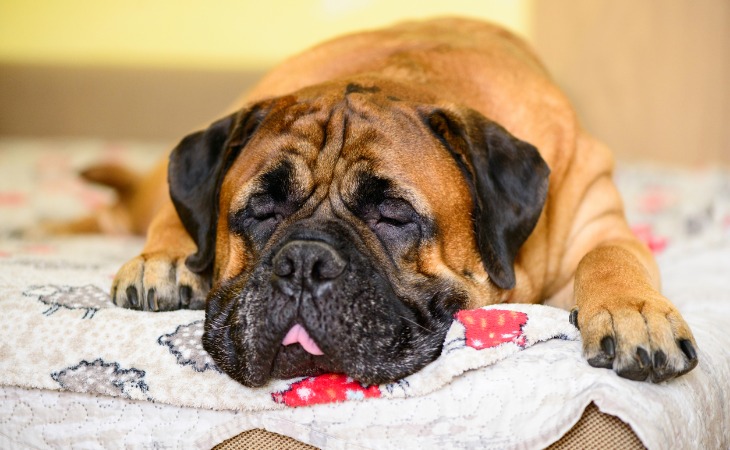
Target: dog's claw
<point>151,300</point>
<point>605,358</point>
<point>639,371</point>
<point>688,349</point>
<point>660,359</point>
<point>186,293</point>
<point>608,345</point>
<point>132,297</point>
<point>644,358</point>
<point>573,318</point>
<point>635,373</point>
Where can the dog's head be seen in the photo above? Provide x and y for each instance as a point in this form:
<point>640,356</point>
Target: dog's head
<point>352,223</point>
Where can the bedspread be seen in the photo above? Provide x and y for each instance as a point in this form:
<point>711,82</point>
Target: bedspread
<point>77,371</point>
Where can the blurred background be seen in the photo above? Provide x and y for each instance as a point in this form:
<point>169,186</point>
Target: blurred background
<point>651,78</point>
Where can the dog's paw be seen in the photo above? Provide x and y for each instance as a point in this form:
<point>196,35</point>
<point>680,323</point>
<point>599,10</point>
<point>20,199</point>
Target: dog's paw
<point>638,339</point>
<point>158,282</point>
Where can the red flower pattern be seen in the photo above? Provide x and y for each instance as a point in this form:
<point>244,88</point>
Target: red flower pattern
<point>13,199</point>
<point>656,199</point>
<point>645,233</point>
<point>329,388</point>
<point>487,328</point>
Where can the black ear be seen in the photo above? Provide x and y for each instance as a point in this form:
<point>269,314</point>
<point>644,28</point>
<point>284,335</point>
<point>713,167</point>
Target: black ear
<point>509,183</point>
<point>195,173</point>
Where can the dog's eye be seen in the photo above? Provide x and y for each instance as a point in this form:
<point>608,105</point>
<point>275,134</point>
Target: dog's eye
<point>258,219</point>
<point>260,208</point>
<point>395,212</point>
<point>393,218</point>
<point>396,223</point>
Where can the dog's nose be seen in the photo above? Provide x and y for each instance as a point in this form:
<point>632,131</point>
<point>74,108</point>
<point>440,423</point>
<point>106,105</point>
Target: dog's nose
<point>309,265</point>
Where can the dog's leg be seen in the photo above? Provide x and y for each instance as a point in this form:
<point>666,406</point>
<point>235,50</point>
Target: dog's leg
<point>625,323</point>
<point>158,279</point>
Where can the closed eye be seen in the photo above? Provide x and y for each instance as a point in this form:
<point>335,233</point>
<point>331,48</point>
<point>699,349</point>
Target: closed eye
<point>377,202</point>
<point>396,212</point>
<point>258,219</point>
<point>392,222</point>
<point>260,207</point>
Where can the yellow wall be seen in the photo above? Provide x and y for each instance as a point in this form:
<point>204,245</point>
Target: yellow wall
<point>215,34</point>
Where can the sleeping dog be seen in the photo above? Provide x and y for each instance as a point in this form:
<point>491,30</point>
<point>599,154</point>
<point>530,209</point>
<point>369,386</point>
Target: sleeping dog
<point>368,189</point>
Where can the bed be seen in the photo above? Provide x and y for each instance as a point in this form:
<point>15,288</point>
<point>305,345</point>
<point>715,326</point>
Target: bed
<point>77,372</point>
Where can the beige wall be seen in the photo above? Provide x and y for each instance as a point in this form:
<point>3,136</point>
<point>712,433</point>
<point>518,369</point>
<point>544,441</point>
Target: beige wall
<point>211,34</point>
<point>158,69</point>
<point>649,77</point>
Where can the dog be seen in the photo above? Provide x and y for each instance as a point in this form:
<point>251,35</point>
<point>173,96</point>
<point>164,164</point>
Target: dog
<point>368,189</point>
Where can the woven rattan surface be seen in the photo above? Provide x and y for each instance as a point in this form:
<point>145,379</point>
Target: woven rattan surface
<point>262,440</point>
<point>594,430</point>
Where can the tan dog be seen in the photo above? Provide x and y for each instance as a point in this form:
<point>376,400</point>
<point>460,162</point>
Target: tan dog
<point>376,184</point>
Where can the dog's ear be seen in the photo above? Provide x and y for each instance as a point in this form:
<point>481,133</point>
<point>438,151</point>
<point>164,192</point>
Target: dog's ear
<point>508,180</point>
<point>195,173</point>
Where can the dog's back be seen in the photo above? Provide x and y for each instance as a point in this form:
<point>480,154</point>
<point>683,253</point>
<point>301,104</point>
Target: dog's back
<point>467,62</point>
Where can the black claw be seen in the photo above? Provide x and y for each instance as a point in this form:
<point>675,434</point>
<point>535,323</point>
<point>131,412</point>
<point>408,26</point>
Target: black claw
<point>635,373</point>
<point>186,293</point>
<point>608,345</point>
<point>114,296</point>
<point>601,361</point>
<point>151,300</point>
<point>644,359</point>
<point>660,359</point>
<point>688,349</point>
<point>132,297</point>
<point>573,318</point>
<point>659,376</point>
<point>605,358</point>
<point>638,370</point>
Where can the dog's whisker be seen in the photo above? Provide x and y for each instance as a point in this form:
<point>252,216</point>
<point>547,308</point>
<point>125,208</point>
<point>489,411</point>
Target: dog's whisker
<point>416,323</point>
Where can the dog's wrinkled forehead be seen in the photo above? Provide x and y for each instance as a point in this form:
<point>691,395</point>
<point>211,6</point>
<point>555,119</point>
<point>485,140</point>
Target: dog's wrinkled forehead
<point>346,139</point>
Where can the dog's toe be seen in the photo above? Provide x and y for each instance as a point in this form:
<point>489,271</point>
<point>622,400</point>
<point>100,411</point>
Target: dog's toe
<point>635,367</point>
<point>603,356</point>
<point>158,282</point>
<point>646,342</point>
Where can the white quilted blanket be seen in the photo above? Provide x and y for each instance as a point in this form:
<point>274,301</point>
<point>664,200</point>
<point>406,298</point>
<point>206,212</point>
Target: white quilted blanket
<point>77,372</point>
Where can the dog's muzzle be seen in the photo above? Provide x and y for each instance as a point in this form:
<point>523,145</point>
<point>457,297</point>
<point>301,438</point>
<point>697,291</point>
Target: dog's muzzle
<point>317,303</point>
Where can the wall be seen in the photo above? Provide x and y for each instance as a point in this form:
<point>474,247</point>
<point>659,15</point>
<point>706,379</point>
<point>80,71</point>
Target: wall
<point>651,77</point>
<point>213,34</point>
<point>156,69</point>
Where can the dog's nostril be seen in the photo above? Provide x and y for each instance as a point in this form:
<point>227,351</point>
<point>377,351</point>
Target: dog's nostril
<point>328,269</point>
<point>283,266</point>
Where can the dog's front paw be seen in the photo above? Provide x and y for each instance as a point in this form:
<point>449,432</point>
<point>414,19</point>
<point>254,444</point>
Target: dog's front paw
<point>639,339</point>
<point>159,282</point>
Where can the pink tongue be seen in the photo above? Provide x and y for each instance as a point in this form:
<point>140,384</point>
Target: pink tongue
<point>298,334</point>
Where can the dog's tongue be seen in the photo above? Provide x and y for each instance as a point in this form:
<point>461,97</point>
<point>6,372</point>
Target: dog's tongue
<point>299,335</point>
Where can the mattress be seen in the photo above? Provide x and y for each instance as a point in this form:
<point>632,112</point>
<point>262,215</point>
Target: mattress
<point>77,372</point>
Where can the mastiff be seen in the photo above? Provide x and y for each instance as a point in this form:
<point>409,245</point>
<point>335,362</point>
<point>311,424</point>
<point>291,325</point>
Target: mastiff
<point>366,190</point>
